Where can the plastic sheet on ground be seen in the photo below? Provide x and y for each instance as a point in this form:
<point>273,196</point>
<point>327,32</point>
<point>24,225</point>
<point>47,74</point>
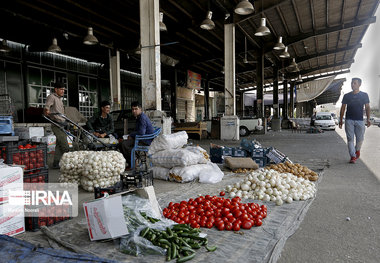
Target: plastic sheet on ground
<point>259,244</point>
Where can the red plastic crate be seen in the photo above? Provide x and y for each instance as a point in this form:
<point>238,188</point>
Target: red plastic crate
<point>37,176</point>
<point>35,223</point>
<point>33,158</point>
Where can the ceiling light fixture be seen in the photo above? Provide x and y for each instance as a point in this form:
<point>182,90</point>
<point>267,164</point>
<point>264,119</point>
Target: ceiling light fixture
<point>162,25</point>
<point>279,45</point>
<point>90,39</point>
<point>54,46</point>
<point>244,8</point>
<point>208,24</point>
<point>262,30</point>
<point>4,46</point>
<point>285,53</point>
<point>299,79</point>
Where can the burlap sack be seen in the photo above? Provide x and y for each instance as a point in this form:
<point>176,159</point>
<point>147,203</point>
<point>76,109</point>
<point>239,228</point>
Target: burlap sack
<point>240,162</point>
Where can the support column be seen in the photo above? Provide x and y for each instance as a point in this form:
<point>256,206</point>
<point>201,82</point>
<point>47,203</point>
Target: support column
<point>150,55</point>
<point>229,69</point>
<point>276,122</point>
<point>114,56</point>
<point>206,97</point>
<point>291,108</point>
<point>260,84</point>
<point>285,101</point>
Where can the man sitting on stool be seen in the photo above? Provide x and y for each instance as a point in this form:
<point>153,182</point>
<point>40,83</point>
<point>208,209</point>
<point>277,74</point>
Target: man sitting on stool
<point>101,125</point>
<point>143,126</point>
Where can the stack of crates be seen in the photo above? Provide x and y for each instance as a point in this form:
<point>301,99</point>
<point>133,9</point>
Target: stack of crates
<point>276,156</point>
<point>35,223</point>
<point>33,158</point>
<point>259,155</point>
<point>6,125</point>
<point>217,154</point>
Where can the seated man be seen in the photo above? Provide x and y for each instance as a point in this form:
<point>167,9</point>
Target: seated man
<point>143,126</point>
<point>101,125</point>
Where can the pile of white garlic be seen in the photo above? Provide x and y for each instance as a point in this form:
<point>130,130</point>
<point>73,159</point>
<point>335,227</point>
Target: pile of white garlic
<point>270,185</point>
<point>92,169</point>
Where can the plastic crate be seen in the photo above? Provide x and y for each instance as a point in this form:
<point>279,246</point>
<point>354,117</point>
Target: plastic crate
<point>261,161</point>
<point>276,156</point>
<point>239,152</point>
<point>35,223</point>
<point>33,158</point>
<point>6,125</point>
<point>37,176</point>
<point>137,179</point>
<point>250,146</point>
<point>100,192</point>
<point>259,152</point>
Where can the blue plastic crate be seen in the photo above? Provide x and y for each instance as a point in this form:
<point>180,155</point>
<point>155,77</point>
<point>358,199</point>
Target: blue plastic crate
<point>261,161</point>
<point>217,154</point>
<point>260,152</point>
<point>239,152</point>
<point>6,125</point>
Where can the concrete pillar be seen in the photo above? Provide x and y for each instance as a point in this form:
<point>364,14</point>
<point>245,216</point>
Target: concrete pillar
<point>206,98</point>
<point>285,100</point>
<point>150,55</point>
<point>291,106</point>
<point>115,83</point>
<point>260,84</point>
<point>229,69</point>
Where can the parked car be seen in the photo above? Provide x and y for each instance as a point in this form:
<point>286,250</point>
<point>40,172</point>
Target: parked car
<point>325,121</point>
<point>374,120</point>
<point>248,125</point>
<point>118,119</point>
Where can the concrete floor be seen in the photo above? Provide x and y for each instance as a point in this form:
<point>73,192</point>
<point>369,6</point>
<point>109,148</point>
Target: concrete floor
<point>347,190</point>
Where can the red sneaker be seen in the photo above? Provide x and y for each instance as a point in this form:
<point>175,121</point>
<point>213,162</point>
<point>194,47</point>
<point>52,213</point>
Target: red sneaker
<point>357,154</point>
<point>353,160</point>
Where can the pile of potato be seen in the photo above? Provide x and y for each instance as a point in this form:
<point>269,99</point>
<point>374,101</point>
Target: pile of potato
<point>243,170</point>
<point>296,169</point>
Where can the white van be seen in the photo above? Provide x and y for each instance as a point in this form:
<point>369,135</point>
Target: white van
<point>325,121</point>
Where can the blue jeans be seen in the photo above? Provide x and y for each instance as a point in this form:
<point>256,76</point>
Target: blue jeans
<point>354,129</point>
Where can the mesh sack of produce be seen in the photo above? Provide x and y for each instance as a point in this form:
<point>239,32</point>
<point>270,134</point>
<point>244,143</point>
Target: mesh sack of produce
<point>161,173</point>
<point>203,155</point>
<point>168,141</point>
<point>173,158</point>
<point>186,174</point>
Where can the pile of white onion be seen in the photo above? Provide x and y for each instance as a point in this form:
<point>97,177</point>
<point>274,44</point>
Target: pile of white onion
<point>92,169</point>
<point>270,185</point>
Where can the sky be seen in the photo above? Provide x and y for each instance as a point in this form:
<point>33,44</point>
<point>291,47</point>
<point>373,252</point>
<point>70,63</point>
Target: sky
<point>367,65</point>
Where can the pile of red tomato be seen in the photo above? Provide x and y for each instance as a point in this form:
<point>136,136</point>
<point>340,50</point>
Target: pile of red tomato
<point>223,213</point>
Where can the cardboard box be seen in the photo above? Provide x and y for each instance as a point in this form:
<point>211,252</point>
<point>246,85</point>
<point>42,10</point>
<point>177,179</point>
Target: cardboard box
<point>29,132</point>
<point>105,216</point>
<point>11,223</point>
<point>11,178</point>
<point>50,140</point>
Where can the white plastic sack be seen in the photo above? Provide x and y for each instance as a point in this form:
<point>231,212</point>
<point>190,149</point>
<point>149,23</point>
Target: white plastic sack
<point>161,173</point>
<point>211,174</point>
<point>186,174</point>
<point>168,141</point>
<point>202,153</point>
<point>173,158</point>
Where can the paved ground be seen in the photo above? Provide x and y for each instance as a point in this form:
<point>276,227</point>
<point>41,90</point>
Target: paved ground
<point>346,190</point>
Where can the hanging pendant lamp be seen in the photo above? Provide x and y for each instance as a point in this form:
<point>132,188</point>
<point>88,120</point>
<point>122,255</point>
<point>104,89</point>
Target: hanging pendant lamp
<point>279,45</point>
<point>208,24</point>
<point>244,8</point>
<point>54,46</point>
<point>90,39</point>
<point>4,46</point>
<point>285,53</point>
<point>262,30</point>
<point>162,25</point>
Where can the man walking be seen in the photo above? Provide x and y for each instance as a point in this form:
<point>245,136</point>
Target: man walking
<point>354,123</point>
<point>54,104</point>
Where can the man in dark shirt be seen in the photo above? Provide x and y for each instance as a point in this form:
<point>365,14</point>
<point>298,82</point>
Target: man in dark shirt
<point>354,124</point>
<point>143,126</point>
<point>101,125</point>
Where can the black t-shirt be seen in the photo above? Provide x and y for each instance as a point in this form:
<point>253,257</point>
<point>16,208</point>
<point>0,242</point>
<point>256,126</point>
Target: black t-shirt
<point>355,103</point>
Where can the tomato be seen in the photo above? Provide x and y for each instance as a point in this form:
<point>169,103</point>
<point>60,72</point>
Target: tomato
<point>21,147</point>
<point>220,226</point>
<point>231,219</point>
<point>200,211</point>
<point>228,226</point>
<point>236,226</point>
<point>222,193</point>
<point>225,211</point>
<point>247,224</point>
<point>209,224</point>
<point>190,207</point>
<point>181,215</point>
<point>237,213</point>
<point>264,214</point>
<point>208,197</point>
<point>258,222</point>
<point>186,219</point>
<point>28,146</point>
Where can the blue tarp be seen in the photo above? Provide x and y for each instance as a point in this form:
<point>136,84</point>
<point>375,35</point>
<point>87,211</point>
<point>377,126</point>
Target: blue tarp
<point>15,250</point>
